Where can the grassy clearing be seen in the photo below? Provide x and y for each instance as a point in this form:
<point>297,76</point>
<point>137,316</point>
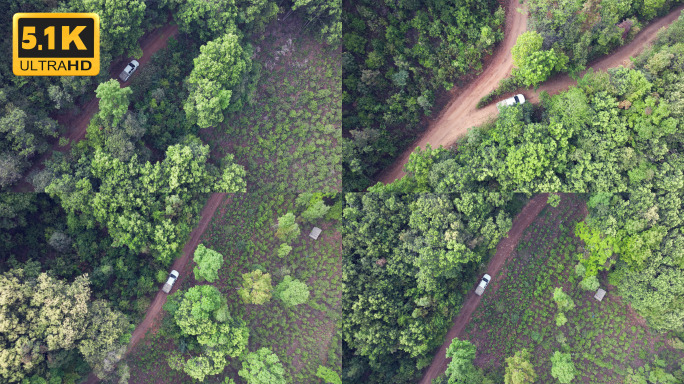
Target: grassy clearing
<point>304,336</point>
<point>288,138</point>
<point>606,339</point>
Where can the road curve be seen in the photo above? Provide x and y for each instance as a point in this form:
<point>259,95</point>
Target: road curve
<point>451,123</point>
<point>462,114</point>
<point>77,125</point>
<point>503,251</point>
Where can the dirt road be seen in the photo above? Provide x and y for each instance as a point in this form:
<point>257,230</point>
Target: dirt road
<point>77,123</point>
<point>503,251</point>
<point>151,319</point>
<point>461,114</point>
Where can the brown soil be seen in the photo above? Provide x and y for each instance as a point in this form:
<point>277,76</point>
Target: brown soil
<point>462,107</point>
<point>77,123</point>
<point>503,251</point>
<point>462,114</point>
<point>151,320</point>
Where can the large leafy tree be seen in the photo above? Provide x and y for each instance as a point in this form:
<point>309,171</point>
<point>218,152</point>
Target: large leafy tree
<point>202,311</point>
<point>145,207</point>
<point>262,367</point>
<point>461,368</point>
<point>113,101</point>
<point>121,24</point>
<point>256,287</point>
<point>291,292</point>
<point>218,73</point>
<point>562,367</point>
<point>205,19</point>
<point>327,14</point>
<point>43,319</point>
<point>535,65</point>
<point>519,369</point>
<point>208,263</point>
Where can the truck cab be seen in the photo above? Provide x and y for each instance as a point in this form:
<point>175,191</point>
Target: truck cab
<point>483,284</point>
<point>128,71</point>
<point>173,276</point>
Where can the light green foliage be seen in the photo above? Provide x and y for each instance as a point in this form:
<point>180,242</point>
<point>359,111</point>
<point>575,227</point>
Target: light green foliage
<point>580,270</point>
<point>120,24</point>
<point>214,80</point>
<point>562,367</point>
<point>561,319</point>
<point>262,367</point>
<point>256,287</point>
<point>288,229</point>
<point>291,292</point>
<point>208,263</point>
<point>519,369</point>
<point>143,206</point>
<point>328,375</point>
<point>283,250</point>
<point>553,200</point>
<point>113,101</point>
<point>206,19</point>
<point>202,311</point>
<point>564,302</point>
<point>600,248</point>
<point>461,368</point>
<point>590,283</point>
<point>535,65</point>
<point>46,318</point>
<point>315,211</point>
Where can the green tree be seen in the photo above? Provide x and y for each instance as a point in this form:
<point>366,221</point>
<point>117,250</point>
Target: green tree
<point>262,367</point>
<point>288,229</point>
<point>325,12</point>
<point>564,302</point>
<point>291,292</point>
<point>590,283</point>
<point>553,200</point>
<point>206,19</point>
<point>533,64</point>
<point>113,101</point>
<point>519,369</point>
<point>202,311</point>
<point>328,375</point>
<point>214,82</point>
<point>561,319</point>
<point>562,367</point>
<point>120,23</point>
<point>461,368</point>
<point>283,250</point>
<point>208,263</point>
<point>47,318</point>
<point>256,287</point>
<point>315,211</point>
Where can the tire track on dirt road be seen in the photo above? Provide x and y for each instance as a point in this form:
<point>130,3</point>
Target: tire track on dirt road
<point>503,252</point>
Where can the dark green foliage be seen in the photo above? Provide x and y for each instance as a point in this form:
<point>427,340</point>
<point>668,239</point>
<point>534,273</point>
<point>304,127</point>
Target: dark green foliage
<point>398,57</point>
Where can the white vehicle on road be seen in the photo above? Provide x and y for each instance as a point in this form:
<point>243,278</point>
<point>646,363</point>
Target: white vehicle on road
<point>128,71</point>
<point>173,276</point>
<point>483,284</point>
<point>517,99</point>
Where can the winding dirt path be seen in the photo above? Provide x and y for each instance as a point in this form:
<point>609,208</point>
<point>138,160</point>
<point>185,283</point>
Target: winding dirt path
<point>503,251</point>
<point>151,319</point>
<point>462,108</point>
<point>77,123</point>
<point>461,114</point>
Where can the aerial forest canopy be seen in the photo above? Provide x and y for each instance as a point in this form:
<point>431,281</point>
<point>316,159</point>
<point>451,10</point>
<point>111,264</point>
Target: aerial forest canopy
<point>397,57</point>
<point>618,136</point>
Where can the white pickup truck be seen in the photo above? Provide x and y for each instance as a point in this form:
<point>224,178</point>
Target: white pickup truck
<point>169,283</point>
<point>483,284</point>
<point>128,71</point>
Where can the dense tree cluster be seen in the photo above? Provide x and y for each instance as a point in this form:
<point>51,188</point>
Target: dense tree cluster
<point>45,321</point>
<point>584,30</point>
<point>618,131</point>
<point>397,56</point>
